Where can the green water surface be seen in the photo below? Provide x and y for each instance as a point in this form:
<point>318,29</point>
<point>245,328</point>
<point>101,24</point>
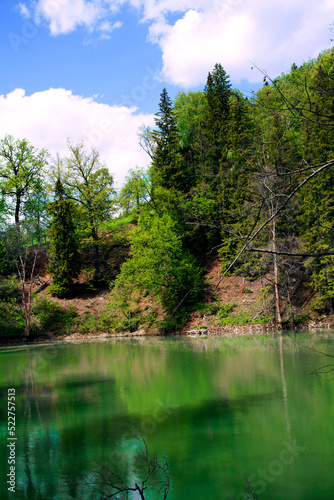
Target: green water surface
<point>222,410</point>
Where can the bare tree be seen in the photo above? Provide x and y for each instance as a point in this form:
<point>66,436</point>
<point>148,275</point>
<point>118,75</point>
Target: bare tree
<point>24,258</point>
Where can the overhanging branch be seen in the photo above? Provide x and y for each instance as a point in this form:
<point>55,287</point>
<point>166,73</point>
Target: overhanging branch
<point>292,254</point>
<point>273,216</point>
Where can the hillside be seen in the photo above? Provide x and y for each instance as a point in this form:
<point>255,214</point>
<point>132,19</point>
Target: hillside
<point>237,307</point>
<point>249,179</point>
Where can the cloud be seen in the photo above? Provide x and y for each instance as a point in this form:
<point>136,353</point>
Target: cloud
<point>64,16</point>
<point>24,11</point>
<point>235,33</point>
<point>48,118</point>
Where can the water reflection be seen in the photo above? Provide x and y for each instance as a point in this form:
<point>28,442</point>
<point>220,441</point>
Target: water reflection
<point>219,408</point>
<point>284,387</point>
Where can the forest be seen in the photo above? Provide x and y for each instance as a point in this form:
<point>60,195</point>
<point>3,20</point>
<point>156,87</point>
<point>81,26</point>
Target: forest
<point>248,180</point>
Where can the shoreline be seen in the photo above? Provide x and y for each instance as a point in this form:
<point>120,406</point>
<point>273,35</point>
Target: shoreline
<point>197,332</point>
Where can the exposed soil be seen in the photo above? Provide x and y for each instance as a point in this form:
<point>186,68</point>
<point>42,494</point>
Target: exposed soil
<point>236,290</point>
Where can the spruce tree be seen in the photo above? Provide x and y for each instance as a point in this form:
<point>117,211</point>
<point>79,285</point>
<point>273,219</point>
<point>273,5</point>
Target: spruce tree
<point>168,163</point>
<point>216,124</point>
<point>64,263</point>
<point>218,91</point>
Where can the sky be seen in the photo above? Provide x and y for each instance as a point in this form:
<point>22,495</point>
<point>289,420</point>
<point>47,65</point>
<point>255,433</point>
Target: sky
<point>93,70</point>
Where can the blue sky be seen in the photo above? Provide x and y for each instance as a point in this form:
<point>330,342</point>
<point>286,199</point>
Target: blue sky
<point>93,70</point>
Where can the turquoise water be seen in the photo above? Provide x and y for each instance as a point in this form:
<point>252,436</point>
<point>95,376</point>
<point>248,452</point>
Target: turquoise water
<point>221,410</point>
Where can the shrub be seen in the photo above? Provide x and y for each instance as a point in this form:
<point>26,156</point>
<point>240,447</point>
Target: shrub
<point>53,316</point>
<point>11,317</point>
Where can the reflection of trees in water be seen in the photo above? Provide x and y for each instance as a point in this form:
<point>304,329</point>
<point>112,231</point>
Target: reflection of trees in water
<point>143,475</point>
<point>284,388</point>
<point>30,390</point>
<point>40,459</point>
<point>322,370</point>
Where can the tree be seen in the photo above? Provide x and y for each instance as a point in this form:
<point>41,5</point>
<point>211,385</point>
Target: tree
<point>24,258</point>
<point>316,221</point>
<point>64,261</point>
<point>159,265</point>
<point>35,211</point>
<point>189,112</point>
<point>217,91</point>
<point>90,184</point>
<point>167,165</point>
<point>21,169</point>
<point>135,192</point>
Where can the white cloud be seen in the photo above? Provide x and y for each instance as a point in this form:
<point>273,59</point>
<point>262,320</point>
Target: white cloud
<point>273,34</point>
<point>48,118</point>
<point>24,11</point>
<point>196,42</point>
<point>64,16</point>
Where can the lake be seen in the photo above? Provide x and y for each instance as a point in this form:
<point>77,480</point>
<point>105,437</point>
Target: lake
<point>220,409</point>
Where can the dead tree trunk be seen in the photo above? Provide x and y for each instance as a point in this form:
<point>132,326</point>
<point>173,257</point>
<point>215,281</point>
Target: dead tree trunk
<point>277,299</point>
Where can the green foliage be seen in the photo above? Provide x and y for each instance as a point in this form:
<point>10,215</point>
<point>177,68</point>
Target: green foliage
<point>135,192</point>
<point>168,169</point>
<point>35,211</point>
<point>230,314</point>
<point>90,184</point>
<point>6,266</point>
<point>225,310</point>
<point>21,170</point>
<point>64,262</point>
<point>159,265</point>
<point>299,319</point>
<point>189,110</point>
<point>223,168</point>
<point>52,316</point>
<point>11,317</point>
<point>9,290</point>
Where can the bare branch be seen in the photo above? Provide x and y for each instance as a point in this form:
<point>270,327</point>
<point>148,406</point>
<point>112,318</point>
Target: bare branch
<point>292,254</point>
<point>273,216</point>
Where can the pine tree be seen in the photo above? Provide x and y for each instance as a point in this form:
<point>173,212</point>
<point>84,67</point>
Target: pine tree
<point>64,262</point>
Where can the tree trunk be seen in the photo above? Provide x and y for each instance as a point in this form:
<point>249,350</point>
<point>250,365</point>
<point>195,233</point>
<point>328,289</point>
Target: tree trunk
<point>17,208</point>
<point>26,313</point>
<point>96,255</point>
<point>277,301</point>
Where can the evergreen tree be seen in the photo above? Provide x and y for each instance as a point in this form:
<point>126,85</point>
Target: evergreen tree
<point>218,93</point>
<point>168,166</point>
<point>64,262</point>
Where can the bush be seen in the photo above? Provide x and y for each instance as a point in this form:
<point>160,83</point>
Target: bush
<point>10,290</point>
<point>6,266</point>
<point>225,310</point>
<point>53,316</point>
<point>11,317</point>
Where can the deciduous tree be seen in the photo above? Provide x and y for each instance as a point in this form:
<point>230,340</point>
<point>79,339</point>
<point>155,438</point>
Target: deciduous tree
<point>90,184</point>
<point>21,169</point>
